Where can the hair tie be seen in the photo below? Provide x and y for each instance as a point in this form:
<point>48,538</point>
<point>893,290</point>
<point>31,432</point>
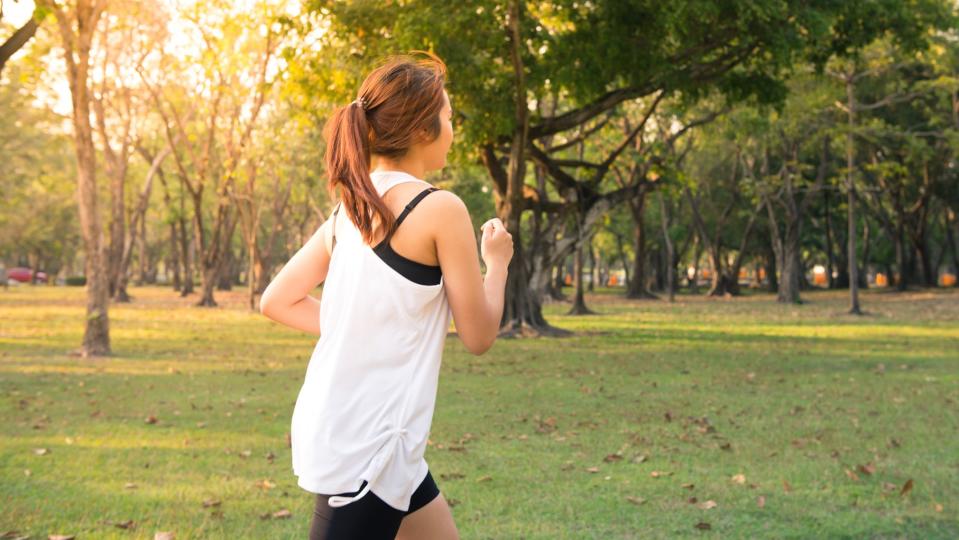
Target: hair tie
<point>361,102</point>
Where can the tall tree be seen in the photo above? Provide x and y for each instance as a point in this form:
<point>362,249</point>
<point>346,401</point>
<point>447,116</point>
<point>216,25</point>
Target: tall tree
<point>77,24</point>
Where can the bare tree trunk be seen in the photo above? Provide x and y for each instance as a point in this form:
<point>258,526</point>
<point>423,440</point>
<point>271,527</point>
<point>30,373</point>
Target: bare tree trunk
<point>96,336</point>
<point>579,302</point>
<point>143,258</point>
<point>866,246</point>
<point>670,263</point>
<point>637,285</point>
<point>851,201</point>
<point>188,252</point>
<point>174,260</point>
<point>830,255</point>
<point>593,275</point>
<point>522,314</point>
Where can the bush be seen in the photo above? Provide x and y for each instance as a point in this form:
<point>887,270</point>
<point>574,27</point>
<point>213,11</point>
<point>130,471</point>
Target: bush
<point>77,281</point>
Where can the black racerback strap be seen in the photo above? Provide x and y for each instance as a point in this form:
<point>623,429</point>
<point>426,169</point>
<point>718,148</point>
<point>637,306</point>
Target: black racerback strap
<point>411,204</point>
<point>402,216</point>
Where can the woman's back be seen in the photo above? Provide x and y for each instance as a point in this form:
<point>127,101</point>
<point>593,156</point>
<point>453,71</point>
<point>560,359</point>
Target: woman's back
<point>366,404</point>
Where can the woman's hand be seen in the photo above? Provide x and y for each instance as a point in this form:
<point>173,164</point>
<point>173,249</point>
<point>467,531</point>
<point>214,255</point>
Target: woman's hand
<point>496,245</point>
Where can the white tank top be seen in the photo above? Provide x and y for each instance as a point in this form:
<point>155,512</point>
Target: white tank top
<point>366,405</point>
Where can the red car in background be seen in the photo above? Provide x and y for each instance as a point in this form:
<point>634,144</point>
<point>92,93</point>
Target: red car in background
<point>25,275</point>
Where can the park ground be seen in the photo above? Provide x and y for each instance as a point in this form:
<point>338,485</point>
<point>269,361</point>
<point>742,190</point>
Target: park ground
<point>706,418</point>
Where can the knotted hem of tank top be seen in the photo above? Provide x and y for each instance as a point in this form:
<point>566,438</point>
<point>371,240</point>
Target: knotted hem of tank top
<point>394,434</point>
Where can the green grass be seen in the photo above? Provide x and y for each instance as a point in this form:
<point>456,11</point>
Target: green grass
<point>783,395</point>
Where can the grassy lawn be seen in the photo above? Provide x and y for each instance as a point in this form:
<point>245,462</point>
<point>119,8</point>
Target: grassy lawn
<point>776,421</point>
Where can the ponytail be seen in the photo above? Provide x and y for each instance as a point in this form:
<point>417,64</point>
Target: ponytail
<point>397,102</point>
<point>348,165</point>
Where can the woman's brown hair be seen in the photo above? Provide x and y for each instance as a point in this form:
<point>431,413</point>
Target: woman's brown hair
<point>397,101</point>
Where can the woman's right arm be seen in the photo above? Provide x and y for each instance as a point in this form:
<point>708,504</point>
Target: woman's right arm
<point>476,303</point>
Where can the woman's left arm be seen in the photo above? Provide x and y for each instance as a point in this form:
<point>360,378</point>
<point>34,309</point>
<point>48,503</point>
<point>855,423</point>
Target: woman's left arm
<point>287,298</point>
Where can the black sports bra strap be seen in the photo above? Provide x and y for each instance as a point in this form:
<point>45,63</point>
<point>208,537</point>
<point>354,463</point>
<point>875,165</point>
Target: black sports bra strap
<point>414,202</point>
<point>403,214</point>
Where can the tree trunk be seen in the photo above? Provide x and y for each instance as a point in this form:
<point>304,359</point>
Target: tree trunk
<point>593,270</point>
<point>637,285</point>
<point>188,255</point>
<point>670,262</point>
<point>579,302</point>
<point>851,201</point>
<point>902,282</point>
<point>522,314</point>
<point>866,248</point>
<point>174,259</point>
<point>228,273</point>
<point>96,336</point>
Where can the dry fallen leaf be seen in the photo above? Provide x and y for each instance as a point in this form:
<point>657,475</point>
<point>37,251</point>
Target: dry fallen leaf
<point>485,478</point>
<point>128,524</point>
<point>129,485</point>
<point>635,500</point>
<point>658,474</point>
<point>164,535</point>
<point>41,451</point>
<point>852,474</point>
<point>938,507</point>
<point>689,486</point>
<point>867,469</point>
<point>61,537</point>
<point>786,487</point>
<point>707,505</point>
<point>592,469</point>
<point>761,501</point>
<point>265,484</point>
<point>703,526</point>
<point>210,502</point>
<point>906,488</point>
<point>739,478</point>
<point>282,514</point>
<point>150,420</point>
<point>612,457</point>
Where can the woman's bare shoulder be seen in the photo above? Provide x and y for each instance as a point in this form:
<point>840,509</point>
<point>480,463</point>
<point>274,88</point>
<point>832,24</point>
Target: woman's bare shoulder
<point>445,204</point>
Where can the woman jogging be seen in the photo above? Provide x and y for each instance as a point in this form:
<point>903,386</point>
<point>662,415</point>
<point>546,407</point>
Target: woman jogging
<point>363,415</point>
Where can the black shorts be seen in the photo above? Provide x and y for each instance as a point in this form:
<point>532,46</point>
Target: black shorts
<point>368,517</point>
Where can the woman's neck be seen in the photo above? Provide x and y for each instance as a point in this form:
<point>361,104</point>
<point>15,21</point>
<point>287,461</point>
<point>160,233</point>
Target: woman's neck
<point>409,166</point>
